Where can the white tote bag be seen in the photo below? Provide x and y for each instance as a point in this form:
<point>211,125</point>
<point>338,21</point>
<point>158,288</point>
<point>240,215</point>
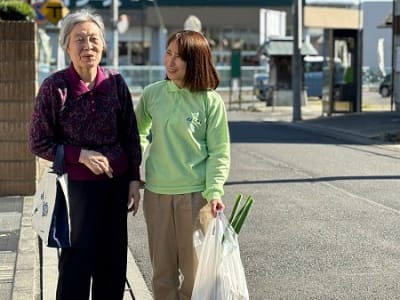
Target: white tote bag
<point>50,216</point>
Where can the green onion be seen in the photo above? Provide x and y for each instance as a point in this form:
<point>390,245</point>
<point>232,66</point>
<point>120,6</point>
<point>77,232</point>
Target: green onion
<point>237,219</point>
<point>235,207</point>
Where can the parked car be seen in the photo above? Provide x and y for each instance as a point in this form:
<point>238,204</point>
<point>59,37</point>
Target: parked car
<point>385,87</point>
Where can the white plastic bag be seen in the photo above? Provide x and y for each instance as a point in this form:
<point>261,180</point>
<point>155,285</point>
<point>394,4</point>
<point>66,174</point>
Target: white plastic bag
<point>220,274</point>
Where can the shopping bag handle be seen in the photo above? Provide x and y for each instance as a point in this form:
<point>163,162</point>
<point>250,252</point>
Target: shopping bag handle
<point>59,162</point>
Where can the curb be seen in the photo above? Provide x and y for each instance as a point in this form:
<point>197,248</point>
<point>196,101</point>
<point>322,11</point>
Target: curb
<point>344,134</point>
<point>136,281</point>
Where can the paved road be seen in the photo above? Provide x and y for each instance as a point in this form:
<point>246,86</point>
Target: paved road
<point>322,227</point>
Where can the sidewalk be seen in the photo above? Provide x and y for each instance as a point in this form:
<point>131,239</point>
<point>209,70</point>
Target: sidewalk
<point>19,255</point>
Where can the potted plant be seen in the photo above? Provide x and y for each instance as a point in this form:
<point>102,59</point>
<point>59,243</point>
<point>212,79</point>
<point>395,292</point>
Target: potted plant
<point>14,10</point>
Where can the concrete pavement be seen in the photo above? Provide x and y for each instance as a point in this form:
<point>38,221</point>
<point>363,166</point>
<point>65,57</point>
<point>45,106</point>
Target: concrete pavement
<point>20,271</point>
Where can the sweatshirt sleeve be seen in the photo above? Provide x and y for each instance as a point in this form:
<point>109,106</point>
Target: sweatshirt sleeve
<point>218,144</point>
<point>143,121</point>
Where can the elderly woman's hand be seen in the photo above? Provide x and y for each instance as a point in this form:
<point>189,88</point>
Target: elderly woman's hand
<point>96,162</point>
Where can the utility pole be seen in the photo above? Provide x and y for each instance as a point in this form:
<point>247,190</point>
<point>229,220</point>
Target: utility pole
<point>396,55</point>
<point>143,44</point>
<point>162,33</point>
<point>114,36</point>
<point>297,69</point>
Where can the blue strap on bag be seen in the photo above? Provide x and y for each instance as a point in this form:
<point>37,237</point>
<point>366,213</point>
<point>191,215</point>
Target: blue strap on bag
<point>59,233</point>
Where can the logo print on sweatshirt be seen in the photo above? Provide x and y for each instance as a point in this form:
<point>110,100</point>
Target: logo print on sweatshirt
<point>193,121</point>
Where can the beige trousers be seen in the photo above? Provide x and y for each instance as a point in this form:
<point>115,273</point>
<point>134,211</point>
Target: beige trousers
<point>171,221</point>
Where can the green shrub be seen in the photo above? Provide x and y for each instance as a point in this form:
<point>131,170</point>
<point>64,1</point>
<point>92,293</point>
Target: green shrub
<point>15,10</point>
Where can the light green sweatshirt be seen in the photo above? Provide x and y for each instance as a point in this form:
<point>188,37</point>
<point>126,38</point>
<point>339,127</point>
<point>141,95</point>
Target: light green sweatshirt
<point>189,150</point>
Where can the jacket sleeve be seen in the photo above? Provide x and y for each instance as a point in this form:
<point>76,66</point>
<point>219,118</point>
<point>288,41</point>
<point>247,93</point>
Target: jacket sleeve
<point>42,127</point>
<point>128,130</point>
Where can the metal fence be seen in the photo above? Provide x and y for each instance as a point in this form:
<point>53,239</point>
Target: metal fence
<point>138,77</point>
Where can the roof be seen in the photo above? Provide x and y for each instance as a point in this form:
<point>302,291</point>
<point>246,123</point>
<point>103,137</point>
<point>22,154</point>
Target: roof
<point>284,47</point>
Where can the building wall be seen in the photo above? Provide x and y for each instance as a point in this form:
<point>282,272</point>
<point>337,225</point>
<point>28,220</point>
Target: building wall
<point>221,16</point>
<point>224,26</point>
<point>374,14</point>
<point>229,23</point>
<point>17,93</point>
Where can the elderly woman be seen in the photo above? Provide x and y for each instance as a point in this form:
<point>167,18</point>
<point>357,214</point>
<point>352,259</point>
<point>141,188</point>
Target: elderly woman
<point>89,110</point>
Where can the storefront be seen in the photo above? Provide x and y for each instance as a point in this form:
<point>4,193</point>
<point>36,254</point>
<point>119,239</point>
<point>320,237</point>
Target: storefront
<point>226,24</point>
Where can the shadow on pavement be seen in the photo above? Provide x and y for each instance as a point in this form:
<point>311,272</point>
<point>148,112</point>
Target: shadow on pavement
<point>357,128</point>
<point>272,132</point>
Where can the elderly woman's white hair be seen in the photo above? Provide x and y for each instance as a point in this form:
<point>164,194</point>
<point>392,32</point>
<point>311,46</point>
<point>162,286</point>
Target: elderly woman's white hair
<point>77,17</point>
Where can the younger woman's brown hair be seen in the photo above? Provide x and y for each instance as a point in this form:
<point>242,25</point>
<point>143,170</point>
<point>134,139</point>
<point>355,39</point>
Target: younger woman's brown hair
<point>193,47</point>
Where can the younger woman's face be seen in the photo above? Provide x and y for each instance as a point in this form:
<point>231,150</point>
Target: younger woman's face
<point>174,65</point>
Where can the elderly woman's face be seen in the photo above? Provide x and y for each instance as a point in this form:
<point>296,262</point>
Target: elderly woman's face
<point>85,46</point>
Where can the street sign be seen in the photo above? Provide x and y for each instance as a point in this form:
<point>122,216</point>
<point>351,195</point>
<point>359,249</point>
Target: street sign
<point>54,11</point>
<point>40,19</point>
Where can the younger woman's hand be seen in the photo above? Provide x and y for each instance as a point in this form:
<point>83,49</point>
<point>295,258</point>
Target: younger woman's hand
<point>216,205</point>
